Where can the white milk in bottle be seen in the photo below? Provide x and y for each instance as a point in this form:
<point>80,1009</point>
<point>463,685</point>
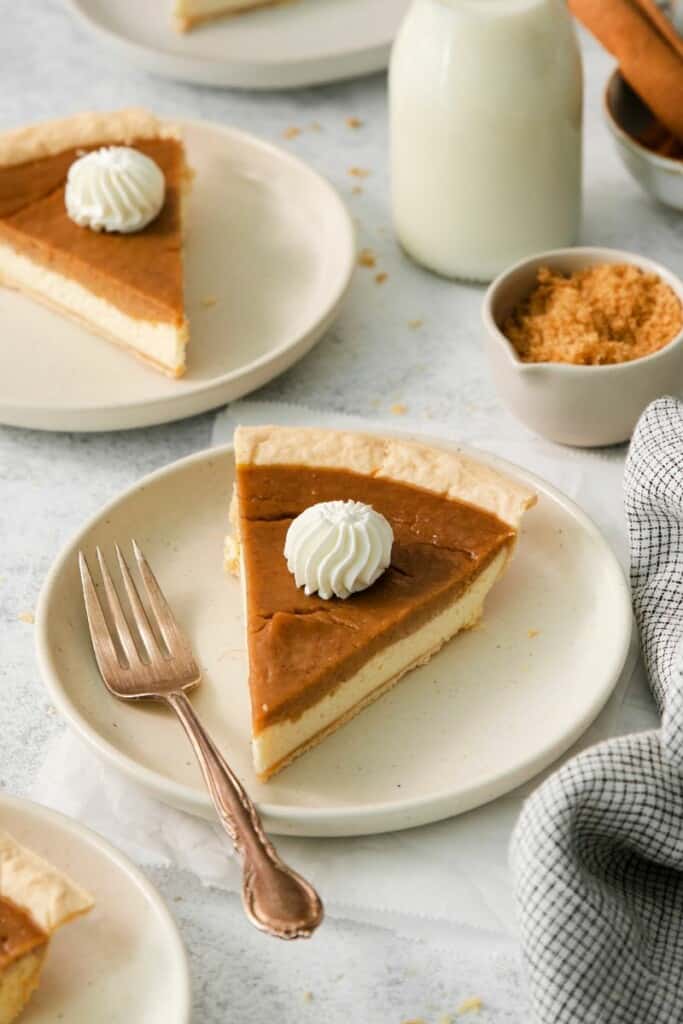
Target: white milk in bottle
<point>485,118</point>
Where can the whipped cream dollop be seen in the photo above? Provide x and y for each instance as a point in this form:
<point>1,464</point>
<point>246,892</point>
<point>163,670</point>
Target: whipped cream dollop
<point>115,188</point>
<point>336,548</point>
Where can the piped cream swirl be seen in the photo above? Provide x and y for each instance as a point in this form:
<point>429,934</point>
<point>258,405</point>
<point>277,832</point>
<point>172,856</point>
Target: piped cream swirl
<point>337,548</point>
<point>115,188</point>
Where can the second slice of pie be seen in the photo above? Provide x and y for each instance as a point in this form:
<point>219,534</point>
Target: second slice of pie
<point>127,287</point>
<point>314,663</point>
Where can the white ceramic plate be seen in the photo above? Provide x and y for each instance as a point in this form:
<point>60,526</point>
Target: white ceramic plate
<point>122,962</point>
<point>267,237</point>
<point>305,42</point>
<point>492,709</point>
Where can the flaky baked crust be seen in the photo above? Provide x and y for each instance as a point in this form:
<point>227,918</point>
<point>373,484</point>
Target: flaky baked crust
<point>47,138</point>
<point>44,893</point>
<point>18,982</point>
<point>448,473</point>
<point>184,21</point>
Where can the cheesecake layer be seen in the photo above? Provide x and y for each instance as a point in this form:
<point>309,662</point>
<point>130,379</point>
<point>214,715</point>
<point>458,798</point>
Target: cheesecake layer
<point>160,343</point>
<point>276,745</point>
<point>301,647</point>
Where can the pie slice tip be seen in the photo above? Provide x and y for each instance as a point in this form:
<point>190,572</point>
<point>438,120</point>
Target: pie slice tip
<point>314,664</point>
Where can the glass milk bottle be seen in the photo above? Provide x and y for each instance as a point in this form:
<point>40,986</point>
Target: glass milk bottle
<point>485,102</point>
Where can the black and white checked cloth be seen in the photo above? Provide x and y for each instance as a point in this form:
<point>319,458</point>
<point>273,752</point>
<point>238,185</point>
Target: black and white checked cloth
<point>598,851</point>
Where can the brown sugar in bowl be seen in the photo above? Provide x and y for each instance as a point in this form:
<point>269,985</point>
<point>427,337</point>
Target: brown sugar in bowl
<point>582,405</point>
<point>600,315</point>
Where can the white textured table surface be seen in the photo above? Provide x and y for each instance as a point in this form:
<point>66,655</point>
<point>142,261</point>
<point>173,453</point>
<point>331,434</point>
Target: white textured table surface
<point>369,363</point>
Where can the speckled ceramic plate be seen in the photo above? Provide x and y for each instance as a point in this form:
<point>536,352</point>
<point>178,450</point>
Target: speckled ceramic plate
<point>493,708</point>
<point>269,255</point>
<point>122,962</point>
<point>303,42</point>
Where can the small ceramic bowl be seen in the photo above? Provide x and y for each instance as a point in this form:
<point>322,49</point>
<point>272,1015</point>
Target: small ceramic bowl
<point>628,119</point>
<point>587,406</point>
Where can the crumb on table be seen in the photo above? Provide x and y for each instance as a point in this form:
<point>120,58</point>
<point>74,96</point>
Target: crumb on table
<point>367,258</point>
<point>357,190</point>
<point>354,122</point>
<point>472,1005</point>
<point>208,301</point>
<point>533,633</point>
<point>415,324</point>
<point>358,172</point>
<point>381,278</point>
<point>291,133</point>
<point>398,409</point>
<point>27,617</point>
<point>308,997</point>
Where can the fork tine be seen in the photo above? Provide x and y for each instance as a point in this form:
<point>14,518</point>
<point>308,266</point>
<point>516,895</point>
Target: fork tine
<point>139,614</point>
<point>105,652</point>
<point>123,632</point>
<point>168,627</point>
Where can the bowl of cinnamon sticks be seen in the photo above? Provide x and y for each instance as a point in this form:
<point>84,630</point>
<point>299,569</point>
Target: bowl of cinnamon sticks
<point>644,97</point>
<point>650,152</point>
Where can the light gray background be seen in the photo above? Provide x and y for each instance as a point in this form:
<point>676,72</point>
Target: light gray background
<point>369,363</point>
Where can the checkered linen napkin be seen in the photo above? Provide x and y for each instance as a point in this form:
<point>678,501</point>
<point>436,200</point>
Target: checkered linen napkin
<point>598,850</point>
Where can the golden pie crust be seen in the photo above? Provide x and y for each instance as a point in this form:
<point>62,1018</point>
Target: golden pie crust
<point>185,22</point>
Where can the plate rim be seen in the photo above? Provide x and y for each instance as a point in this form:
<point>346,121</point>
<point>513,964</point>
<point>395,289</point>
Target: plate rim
<point>210,395</point>
<point>317,821</point>
<point>82,833</point>
<point>281,74</point>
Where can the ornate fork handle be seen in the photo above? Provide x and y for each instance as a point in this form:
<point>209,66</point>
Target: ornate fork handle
<point>277,900</point>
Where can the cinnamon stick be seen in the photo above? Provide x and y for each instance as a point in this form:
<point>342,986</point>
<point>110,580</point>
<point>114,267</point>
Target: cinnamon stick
<point>648,48</point>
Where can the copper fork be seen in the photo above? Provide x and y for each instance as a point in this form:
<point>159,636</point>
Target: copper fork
<point>155,661</point>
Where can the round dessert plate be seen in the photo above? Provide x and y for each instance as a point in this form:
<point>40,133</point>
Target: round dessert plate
<point>494,707</point>
<point>122,962</point>
<point>280,46</point>
<point>269,255</point>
